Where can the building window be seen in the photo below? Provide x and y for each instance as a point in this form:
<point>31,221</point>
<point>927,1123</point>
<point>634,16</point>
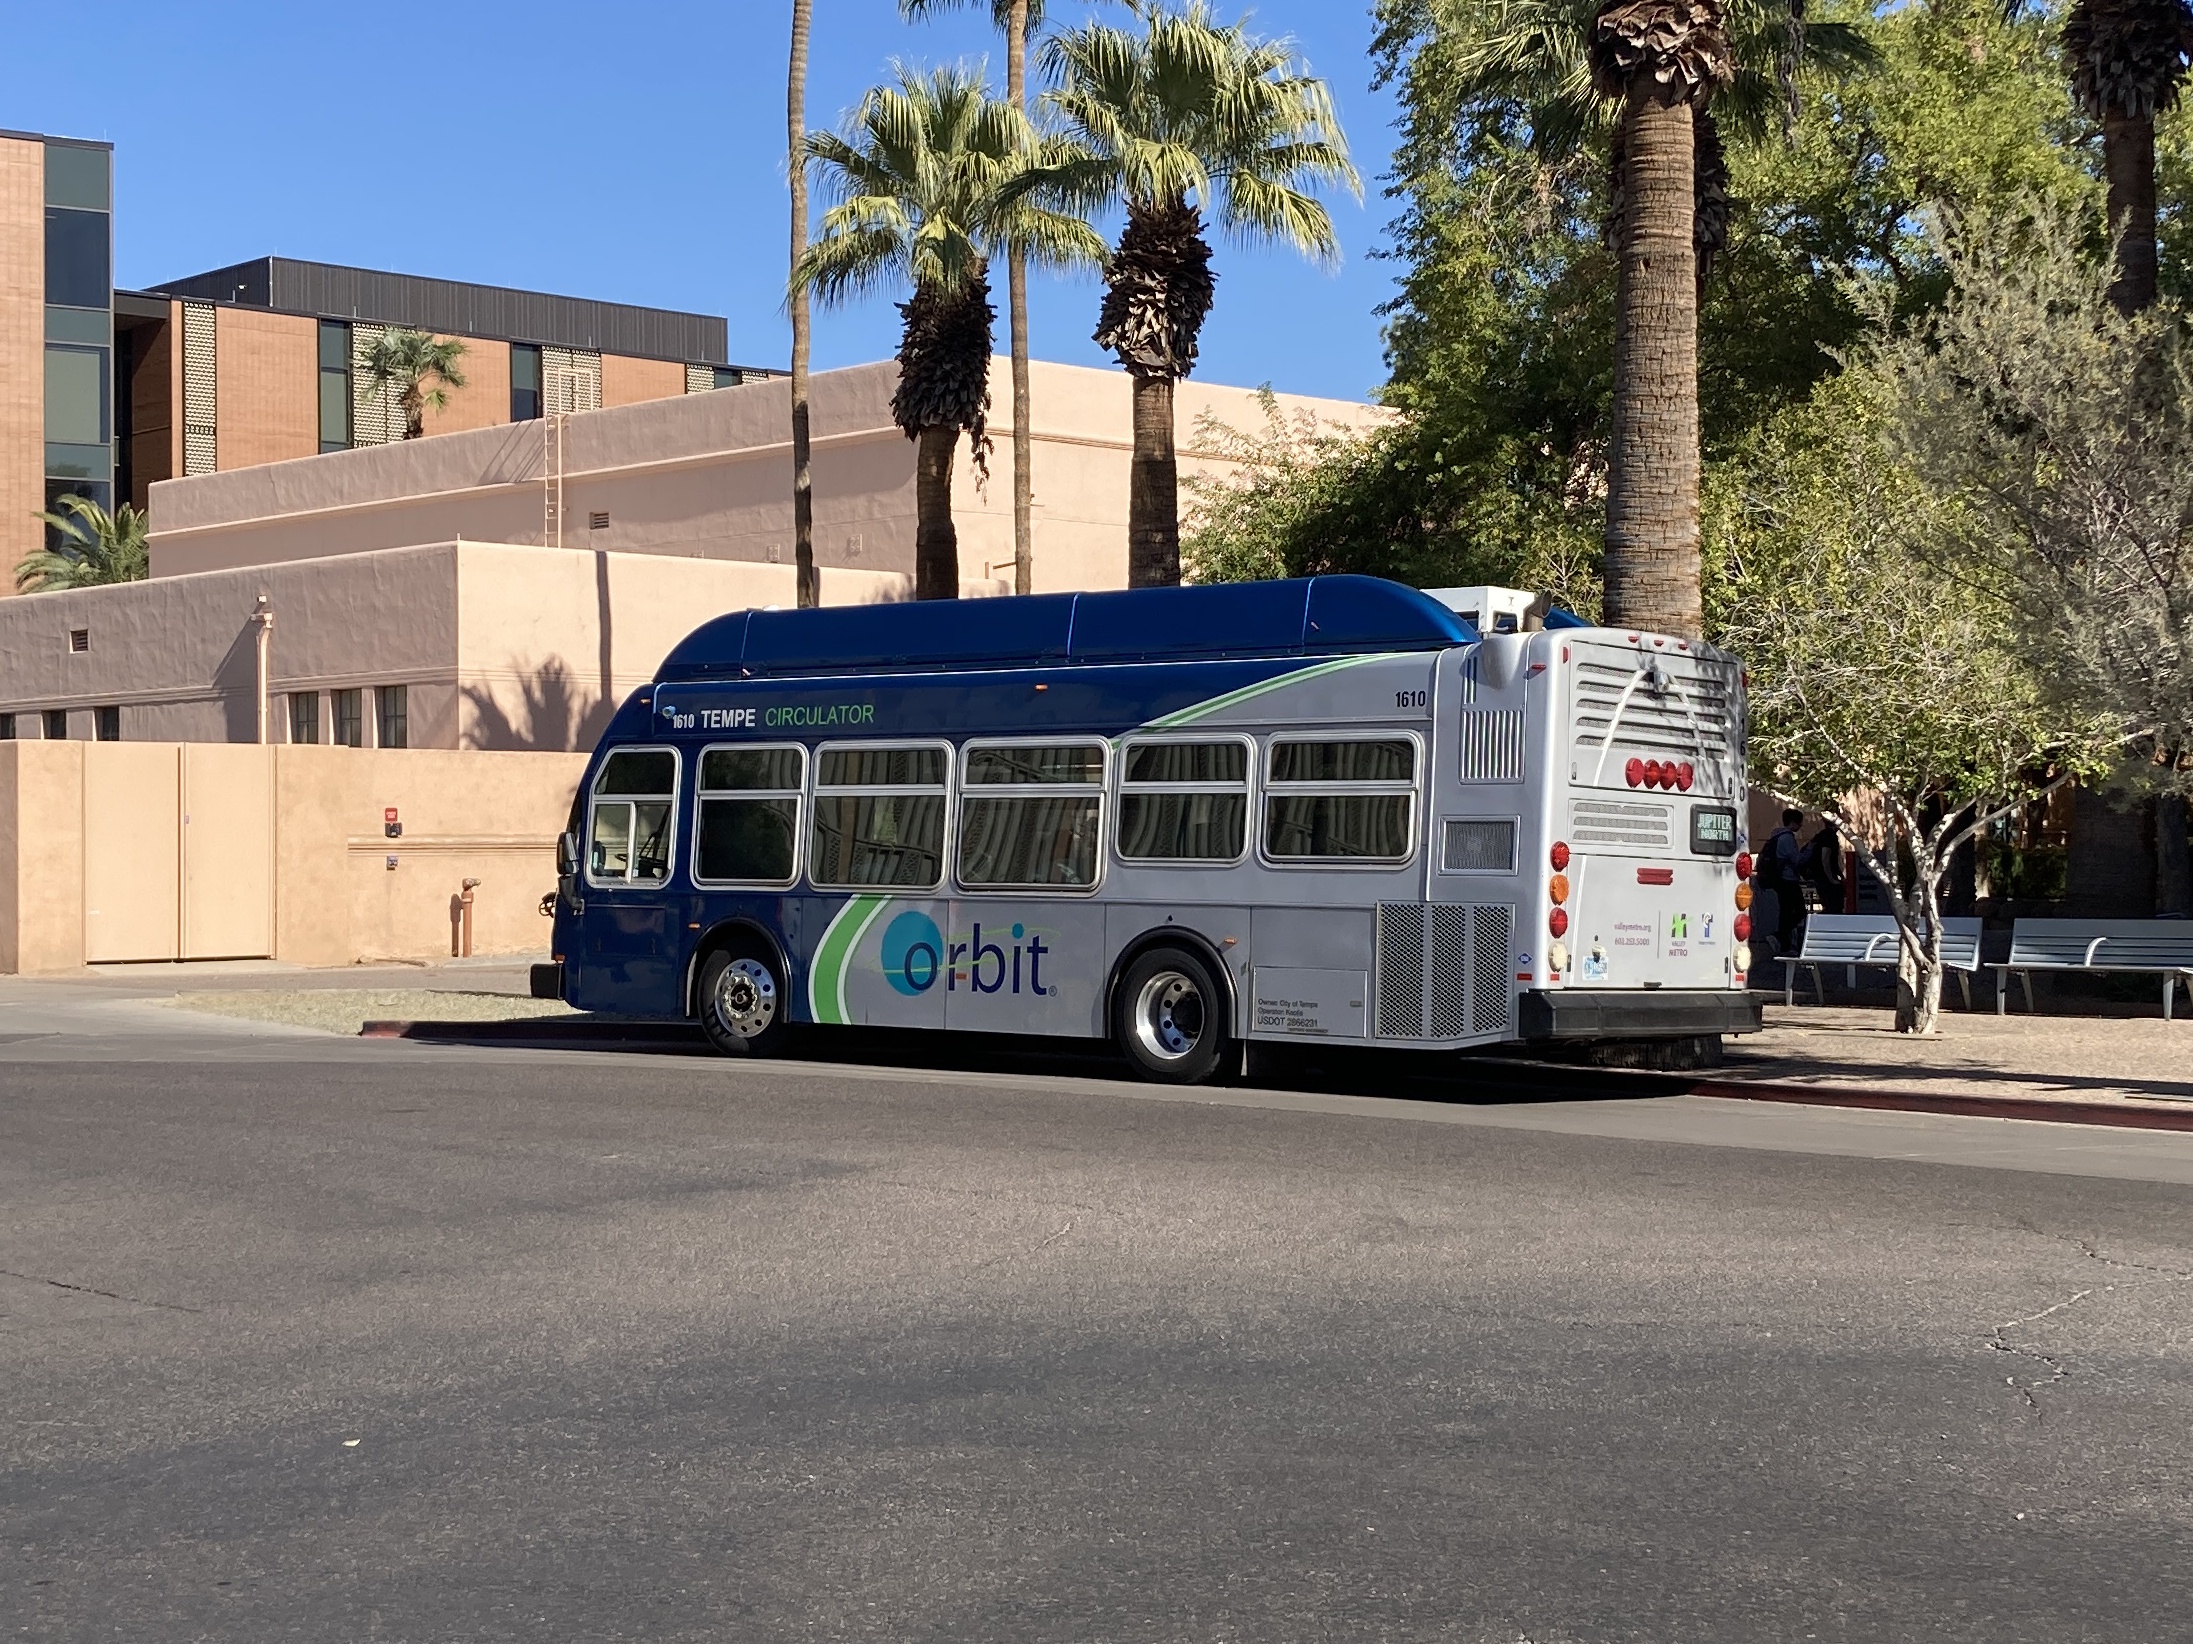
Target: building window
<point>349,719</point>
<point>729,376</point>
<point>393,701</point>
<point>7,727</point>
<point>334,386</point>
<point>57,724</point>
<point>525,382</point>
<point>109,724</point>
<point>76,258</point>
<point>304,717</point>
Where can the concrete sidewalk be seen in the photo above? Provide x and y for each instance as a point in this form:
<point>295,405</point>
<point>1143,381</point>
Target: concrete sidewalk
<point>2103,1060</point>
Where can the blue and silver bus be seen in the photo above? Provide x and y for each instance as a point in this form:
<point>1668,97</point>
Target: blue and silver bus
<point>1183,819</point>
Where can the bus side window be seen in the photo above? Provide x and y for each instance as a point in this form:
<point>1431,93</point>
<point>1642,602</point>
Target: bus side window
<point>1031,816</point>
<point>1184,800</point>
<point>1340,799</point>
<point>879,818</point>
<point>628,834</point>
<point>749,826</point>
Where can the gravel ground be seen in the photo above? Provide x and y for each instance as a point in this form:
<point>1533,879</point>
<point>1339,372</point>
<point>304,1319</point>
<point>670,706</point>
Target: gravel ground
<point>346,1010</point>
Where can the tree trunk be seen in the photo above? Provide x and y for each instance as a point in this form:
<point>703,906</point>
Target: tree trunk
<point>936,539</point>
<point>2128,155</point>
<point>2173,858</point>
<point>1016,298</point>
<point>1153,490</point>
<point>1652,461</point>
<point>803,483</point>
<point>414,408</point>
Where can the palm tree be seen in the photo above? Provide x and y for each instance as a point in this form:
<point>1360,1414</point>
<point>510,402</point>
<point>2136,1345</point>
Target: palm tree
<point>2128,61</point>
<point>422,367</point>
<point>1013,19</point>
<point>1186,117</point>
<point>86,548</point>
<point>919,175</point>
<point>1638,76</point>
<point>803,477</point>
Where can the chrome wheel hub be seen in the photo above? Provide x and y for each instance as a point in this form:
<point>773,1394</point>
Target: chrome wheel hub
<point>1169,1016</point>
<point>746,998</point>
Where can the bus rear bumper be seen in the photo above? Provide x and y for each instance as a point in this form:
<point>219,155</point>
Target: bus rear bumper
<point>1635,1013</point>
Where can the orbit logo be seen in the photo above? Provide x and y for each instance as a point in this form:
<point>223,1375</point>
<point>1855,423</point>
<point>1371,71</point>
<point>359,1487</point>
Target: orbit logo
<point>914,954</point>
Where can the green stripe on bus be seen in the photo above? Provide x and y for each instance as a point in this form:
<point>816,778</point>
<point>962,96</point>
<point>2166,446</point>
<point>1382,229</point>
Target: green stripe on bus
<point>834,957</point>
<point>1200,710</point>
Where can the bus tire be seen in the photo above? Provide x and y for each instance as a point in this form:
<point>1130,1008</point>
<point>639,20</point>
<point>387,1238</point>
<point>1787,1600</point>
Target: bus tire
<point>1169,1017</point>
<point>741,1001</point>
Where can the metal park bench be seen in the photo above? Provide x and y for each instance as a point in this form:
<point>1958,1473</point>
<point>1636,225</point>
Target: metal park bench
<point>1868,940</point>
<point>2156,946</point>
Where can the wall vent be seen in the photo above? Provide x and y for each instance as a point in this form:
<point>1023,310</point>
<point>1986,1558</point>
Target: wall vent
<point>79,639</point>
<point>598,520</point>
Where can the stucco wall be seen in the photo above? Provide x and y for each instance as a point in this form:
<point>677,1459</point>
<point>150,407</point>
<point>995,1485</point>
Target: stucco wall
<point>707,476</point>
<point>267,386</point>
<point>22,351</point>
<point>490,817</point>
<point>498,646</point>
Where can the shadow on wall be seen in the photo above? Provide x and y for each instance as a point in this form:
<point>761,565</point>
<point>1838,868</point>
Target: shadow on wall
<point>236,683</point>
<point>554,713</point>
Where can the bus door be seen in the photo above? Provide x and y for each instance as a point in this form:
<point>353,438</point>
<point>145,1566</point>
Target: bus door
<point>627,934</point>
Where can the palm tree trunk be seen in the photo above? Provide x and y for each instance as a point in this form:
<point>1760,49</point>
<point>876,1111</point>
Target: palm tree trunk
<point>803,481</point>
<point>1652,462</point>
<point>1016,301</point>
<point>936,539</point>
<point>1153,489</point>
<point>414,407</point>
<point>2128,155</point>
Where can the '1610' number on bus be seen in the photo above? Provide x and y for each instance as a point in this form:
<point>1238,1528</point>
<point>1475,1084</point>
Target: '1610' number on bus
<point>1411,699</point>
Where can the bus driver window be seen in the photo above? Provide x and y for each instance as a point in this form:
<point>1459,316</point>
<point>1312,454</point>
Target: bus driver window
<point>628,835</point>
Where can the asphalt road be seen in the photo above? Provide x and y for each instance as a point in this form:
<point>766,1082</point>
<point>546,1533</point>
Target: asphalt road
<point>312,1339</point>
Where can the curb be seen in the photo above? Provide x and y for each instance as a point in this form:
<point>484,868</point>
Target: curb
<point>1560,1080</point>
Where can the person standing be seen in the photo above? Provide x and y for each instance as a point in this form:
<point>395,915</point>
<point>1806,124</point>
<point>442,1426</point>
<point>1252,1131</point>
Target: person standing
<point>1823,861</point>
<point>1782,869</point>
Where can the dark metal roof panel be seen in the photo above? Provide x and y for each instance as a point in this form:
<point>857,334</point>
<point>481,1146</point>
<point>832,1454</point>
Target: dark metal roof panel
<point>461,308</point>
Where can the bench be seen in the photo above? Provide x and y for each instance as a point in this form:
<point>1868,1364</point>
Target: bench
<point>1855,940</point>
<point>2154,946</point>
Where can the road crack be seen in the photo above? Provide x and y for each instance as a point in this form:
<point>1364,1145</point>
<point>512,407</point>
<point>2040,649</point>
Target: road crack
<point>93,1290</point>
<point>1998,1340</point>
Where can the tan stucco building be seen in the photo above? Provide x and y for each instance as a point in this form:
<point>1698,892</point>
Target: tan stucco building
<point>504,587</point>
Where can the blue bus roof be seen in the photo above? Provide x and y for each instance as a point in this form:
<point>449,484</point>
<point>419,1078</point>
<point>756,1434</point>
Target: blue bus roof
<point>1305,616</point>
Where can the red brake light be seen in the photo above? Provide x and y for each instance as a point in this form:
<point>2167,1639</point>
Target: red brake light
<point>1685,775</point>
<point>1743,864</point>
<point>1653,773</point>
<point>1559,856</point>
<point>1742,927</point>
<point>1558,921</point>
<point>1634,772</point>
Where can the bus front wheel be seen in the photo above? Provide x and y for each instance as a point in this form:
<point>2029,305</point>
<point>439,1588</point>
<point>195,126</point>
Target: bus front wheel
<point>742,1004</point>
<point>1169,1017</point>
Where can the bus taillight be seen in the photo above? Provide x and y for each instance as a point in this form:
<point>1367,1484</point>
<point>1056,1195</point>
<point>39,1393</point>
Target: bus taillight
<point>1634,773</point>
<point>1559,856</point>
<point>1558,921</point>
<point>1743,864</point>
<point>1685,775</point>
<point>1558,889</point>
<point>1742,927</point>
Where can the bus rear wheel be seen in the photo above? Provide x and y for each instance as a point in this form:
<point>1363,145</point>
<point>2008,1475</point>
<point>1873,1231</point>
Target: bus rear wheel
<point>1169,1017</point>
<point>742,1003</point>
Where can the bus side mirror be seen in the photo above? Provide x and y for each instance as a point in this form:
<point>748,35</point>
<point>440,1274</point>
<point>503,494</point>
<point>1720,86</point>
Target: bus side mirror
<point>567,854</point>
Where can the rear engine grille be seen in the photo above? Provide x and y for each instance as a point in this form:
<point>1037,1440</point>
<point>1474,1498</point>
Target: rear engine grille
<point>1442,970</point>
<point>1399,1013</point>
<point>1693,719</point>
<point>1639,824</point>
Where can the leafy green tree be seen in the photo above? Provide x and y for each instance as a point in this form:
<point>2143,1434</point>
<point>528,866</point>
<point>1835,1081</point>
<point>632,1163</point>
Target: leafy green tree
<point>1182,118</point>
<point>1014,19</point>
<point>1895,698</point>
<point>86,547</point>
<point>2062,427</point>
<point>920,175</point>
<point>421,367</point>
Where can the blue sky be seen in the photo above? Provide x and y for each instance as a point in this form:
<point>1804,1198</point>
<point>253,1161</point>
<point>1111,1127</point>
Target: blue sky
<point>630,152</point>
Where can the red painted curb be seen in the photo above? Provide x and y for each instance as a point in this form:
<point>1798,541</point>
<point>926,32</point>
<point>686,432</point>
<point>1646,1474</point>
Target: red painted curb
<point>2039,1109</point>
